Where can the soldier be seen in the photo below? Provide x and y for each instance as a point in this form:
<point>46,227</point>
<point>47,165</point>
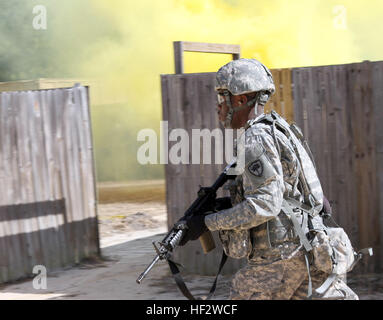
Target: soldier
<point>279,180</point>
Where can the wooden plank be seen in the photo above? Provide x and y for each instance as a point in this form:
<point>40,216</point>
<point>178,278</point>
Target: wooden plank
<point>19,185</point>
<point>23,85</point>
<point>363,150</point>
<point>72,198</point>
<point>4,257</point>
<point>211,47</point>
<point>281,100</point>
<point>55,115</point>
<point>25,190</point>
<point>32,239</point>
<point>178,180</point>
<point>77,184</point>
<point>171,167</point>
<point>172,210</point>
<point>288,112</point>
<point>282,95</point>
<point>305,77</point>
<point>165,115</point>
<point>13,187</point>
<point>194,248</point>
<point>275,101</point>
<point>195,259</point>
<point>174,169</point>
<point>91,199</point>
<point>377,98</point>
<point>178,113</point>
<point>178,57</point>
<point>346,199</point>
<point>85,170</point>
<point>336,139</point>
<point>37,163</point>
<point>335,188</point>
<point>186,195</point>
<point>311,108</point>
<point>192,112</point>
<point>351,181</point>
<point>60,117</point>
<point>45,220</point>
<point>55,192</point>
<point>369,162</point>
<point>205,263</point>
<point>9,255</point>
<point>356,132</point>
<point>297,103</point>
<point>322,129</point>
<point>181,46</point>
<point>55,227</point>
<point>350,178</point>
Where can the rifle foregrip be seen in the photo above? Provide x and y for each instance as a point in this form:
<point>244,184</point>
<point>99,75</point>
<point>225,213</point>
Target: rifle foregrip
<point>207,242</point>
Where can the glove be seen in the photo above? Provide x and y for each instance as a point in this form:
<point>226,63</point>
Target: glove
<point>327,210</point>
<point>195,228</point>
<point>222,204</point>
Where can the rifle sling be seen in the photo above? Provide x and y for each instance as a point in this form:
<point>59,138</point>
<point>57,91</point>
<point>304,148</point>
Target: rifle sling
<point>181,283</point>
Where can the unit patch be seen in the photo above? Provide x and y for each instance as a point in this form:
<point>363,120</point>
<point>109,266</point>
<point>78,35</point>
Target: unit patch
<point>256,168</point>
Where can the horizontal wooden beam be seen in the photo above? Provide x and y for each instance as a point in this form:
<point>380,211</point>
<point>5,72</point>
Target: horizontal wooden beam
<point>212,47</point>
<point>181,46</point>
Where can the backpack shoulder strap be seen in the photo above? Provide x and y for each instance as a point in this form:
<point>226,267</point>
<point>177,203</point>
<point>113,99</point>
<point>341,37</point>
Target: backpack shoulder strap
<point>296,131</point>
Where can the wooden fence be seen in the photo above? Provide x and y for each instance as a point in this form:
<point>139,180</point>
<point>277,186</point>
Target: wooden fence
<point>339,109</point>
<point>282,101</point>
<point>189,103</point>
<point>47,183</point>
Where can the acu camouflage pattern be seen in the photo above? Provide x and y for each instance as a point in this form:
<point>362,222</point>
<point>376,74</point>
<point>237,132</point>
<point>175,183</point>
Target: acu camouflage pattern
<point>333,245</point>
<point>244,76</point>
<point>256,228</point>
<point>257,201</point>
<point>284,280</point>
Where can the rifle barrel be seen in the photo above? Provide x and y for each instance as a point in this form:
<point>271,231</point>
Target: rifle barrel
<point>142,275</point>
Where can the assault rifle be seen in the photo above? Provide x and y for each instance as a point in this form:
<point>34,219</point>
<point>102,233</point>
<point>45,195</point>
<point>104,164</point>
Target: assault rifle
<point>205,203</point>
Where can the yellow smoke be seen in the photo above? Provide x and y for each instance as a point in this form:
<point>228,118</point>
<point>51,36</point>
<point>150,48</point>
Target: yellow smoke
<point>280,33</point>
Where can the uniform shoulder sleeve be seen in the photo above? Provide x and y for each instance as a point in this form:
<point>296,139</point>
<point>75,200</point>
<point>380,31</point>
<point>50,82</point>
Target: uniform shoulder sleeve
<point>262,185</point>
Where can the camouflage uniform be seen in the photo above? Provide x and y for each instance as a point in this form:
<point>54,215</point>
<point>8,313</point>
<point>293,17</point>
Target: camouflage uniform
<point>254,228</point>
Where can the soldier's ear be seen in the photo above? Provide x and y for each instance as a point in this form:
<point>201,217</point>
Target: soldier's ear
<point>242,99</point>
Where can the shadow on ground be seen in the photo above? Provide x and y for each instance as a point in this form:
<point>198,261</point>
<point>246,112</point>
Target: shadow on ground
<point>114,277</point>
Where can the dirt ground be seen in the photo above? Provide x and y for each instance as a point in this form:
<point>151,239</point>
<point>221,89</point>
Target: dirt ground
<point>127,228</point>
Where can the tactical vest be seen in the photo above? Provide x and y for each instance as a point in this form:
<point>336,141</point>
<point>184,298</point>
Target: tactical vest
<point>313,194</point>
<point>279,237</point>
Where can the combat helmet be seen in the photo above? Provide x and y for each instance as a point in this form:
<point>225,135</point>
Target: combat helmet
<point>244,76</point>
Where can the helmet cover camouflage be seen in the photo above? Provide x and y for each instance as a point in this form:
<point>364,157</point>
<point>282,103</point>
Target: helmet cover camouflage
<point>244,76</point>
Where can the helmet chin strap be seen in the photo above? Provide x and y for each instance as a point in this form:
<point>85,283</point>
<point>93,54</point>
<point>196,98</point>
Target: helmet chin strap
<point>229,116</point>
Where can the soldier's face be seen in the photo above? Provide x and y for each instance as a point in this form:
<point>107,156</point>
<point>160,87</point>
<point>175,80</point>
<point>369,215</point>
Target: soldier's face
<point>240,117</point>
